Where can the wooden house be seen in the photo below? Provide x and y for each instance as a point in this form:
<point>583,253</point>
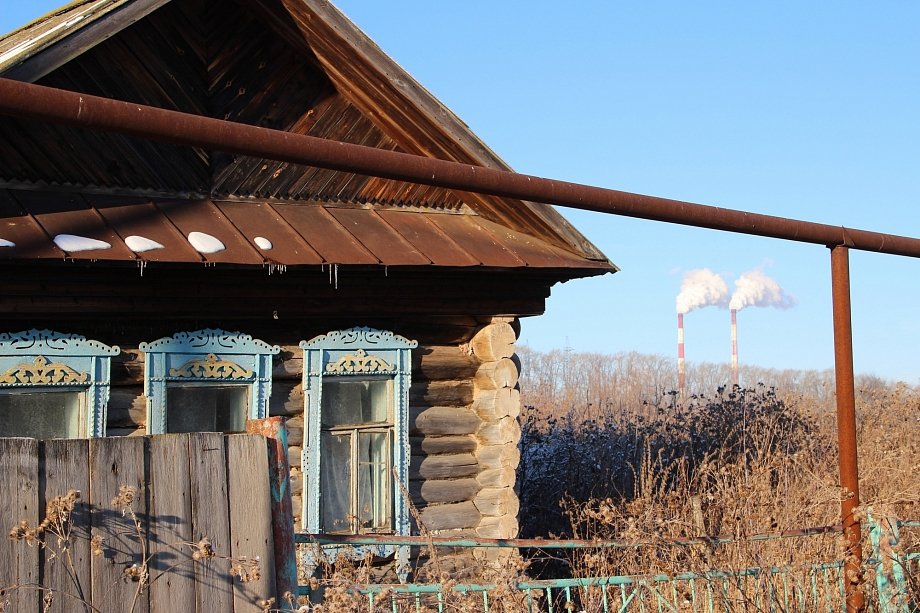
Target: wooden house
<point>149,287</point>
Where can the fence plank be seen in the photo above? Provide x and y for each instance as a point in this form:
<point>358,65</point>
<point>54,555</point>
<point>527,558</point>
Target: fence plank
<point>250,517</point>
<point>210,519</point>
<point>282,516</point>
<point>113,463</point>
<point>172,573</point>
<point>19,502</point>
<point>67,573</point>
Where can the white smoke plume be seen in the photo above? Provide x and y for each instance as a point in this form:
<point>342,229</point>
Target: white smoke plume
<point>701,288</point>
<point>754,288</point>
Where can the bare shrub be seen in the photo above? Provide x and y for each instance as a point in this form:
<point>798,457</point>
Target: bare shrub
<point>633,463</point>
<point>666,448</point>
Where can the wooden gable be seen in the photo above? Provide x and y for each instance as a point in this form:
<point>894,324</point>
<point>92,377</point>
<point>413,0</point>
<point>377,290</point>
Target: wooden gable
<point>297,66</point>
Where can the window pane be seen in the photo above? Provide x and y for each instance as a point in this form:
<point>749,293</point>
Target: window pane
<point>206,408</point>
<point>374,484</point>
<point>347,401</point>
<point>41,414</point>
<point>335,483</point>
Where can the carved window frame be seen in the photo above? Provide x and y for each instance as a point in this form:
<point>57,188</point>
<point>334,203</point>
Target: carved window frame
<point>36,360</point>
<point>208,356</point>
<point>357,352</point>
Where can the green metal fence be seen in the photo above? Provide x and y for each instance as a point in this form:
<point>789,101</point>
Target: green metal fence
<point>816,587</point>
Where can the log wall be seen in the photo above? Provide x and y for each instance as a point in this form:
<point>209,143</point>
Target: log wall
<point>463,408</point>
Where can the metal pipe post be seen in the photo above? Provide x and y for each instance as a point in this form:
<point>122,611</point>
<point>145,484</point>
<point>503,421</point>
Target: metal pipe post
<point>846,426</point>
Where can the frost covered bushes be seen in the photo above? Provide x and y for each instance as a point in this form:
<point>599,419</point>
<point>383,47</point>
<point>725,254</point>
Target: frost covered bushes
<point>664,446</point>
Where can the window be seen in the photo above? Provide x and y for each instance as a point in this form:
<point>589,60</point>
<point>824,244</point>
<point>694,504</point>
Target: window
<point>356,444</point>
<point>206,381</point>
<point>53,385</point>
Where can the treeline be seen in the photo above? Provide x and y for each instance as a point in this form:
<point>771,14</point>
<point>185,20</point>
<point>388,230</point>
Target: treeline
<point>609,431</point>
<point>622,385</point>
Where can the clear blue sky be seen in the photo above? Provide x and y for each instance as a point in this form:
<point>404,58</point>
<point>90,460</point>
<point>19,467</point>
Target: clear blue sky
<point>800,109</point>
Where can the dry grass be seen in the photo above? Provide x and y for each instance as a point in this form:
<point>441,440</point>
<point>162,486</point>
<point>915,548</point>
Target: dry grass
<point>648,468</point>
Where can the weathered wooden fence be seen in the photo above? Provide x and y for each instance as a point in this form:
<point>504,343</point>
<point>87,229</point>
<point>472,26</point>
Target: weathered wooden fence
<point>177,522</point>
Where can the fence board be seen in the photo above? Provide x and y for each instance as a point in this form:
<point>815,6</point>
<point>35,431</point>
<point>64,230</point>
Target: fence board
<point>182,489</point>
<point>68,573</point>
<point>172,573</point>
<point>18,502</point>
<point>250,517</point>
<point>210,519</point>
<point>116,462</point>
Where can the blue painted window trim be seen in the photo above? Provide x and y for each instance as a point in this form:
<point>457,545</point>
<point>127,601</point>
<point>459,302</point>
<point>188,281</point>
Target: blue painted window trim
<point>356,352</point>
<point>206,356</point>
<point>77,363</point>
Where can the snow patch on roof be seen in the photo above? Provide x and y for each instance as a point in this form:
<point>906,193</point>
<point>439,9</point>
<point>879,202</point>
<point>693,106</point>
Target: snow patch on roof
<point>205,243</point>
<point>263,243</point>
<point>140,244</point>
<point>72,243</point>
<point>6,243</point>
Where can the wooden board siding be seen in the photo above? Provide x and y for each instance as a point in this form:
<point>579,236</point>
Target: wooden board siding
<point>220,61</point>
<point>211,520</point>
<point>19,502</point>
<point>65,470</point>
<point>188,486</point>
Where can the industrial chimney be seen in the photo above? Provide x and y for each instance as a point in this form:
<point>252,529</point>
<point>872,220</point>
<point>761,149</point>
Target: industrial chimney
<point>681,366</point>
<point>734,313</point>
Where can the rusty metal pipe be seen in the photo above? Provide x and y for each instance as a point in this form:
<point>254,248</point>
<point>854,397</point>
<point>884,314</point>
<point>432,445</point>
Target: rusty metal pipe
<point>846,426</point>
<point>42,103</point>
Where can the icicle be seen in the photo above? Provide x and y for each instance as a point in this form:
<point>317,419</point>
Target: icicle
<point>141,264</point>
<point>336,266</point>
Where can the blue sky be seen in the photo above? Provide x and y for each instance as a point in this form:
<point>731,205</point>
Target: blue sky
<point>805,110</point>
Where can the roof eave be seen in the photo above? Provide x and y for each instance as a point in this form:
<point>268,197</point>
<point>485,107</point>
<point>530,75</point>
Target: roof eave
<point>54,39</point>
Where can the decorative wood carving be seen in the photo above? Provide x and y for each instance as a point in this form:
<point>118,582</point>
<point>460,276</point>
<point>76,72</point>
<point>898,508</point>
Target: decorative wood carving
<point>359,362</point>
<point>211,367</point>
<point>40,372</point>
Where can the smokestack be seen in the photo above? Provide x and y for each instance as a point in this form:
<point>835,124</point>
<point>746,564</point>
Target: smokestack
<point>699,288</point>
<point>681,366</point>
<point>734,313</point>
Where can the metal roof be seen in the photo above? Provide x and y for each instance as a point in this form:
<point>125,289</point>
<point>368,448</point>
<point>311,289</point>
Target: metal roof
<point>265,233</point>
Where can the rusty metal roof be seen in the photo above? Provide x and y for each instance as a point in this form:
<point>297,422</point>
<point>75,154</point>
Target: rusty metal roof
<point>53,225</point>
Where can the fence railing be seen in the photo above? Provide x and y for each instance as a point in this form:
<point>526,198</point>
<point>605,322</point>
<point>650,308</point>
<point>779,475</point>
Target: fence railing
<point>814,586</point>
